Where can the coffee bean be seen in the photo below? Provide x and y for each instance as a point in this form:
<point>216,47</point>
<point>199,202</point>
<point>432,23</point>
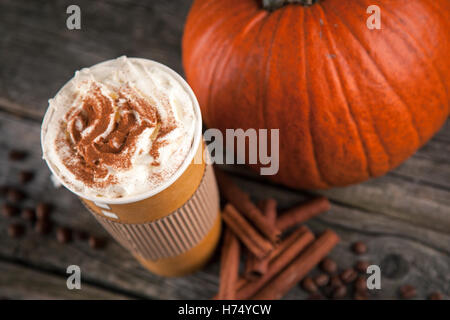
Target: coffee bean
<point>25,176</point>
<point>359,247</point>
<point>361,284</point>
<point>96,243</point>
<point>322,279</point>
<point>315,296</point>
<point>339,292</point>
<point>335,281</point>
<point>16,230</point>
<point>349,275</point>
<point>28,214</point>
<point>361,266</point>
<point>81,235</point>
<point>408,291</point>
<point>8,210</point>
<point>15,195</point>
<point>16,155</point>
<point>43,227</point>
<point>328,265</point>
<point>63,235</point>
<point>43,211</point>
<point>435,296</point>
<point>360,295</point>
<point>309,285</point>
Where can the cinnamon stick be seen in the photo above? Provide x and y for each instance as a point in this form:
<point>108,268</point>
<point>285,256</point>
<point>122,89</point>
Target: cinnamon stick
<point>286,243</point>
<point>255,267</point>
<point>229,266</point>
<point>253,241</point>
<point>242,202</point>
<point>269,209</point>
<point>298,242</point>
<point>293,273</point>
<point>302,213</point>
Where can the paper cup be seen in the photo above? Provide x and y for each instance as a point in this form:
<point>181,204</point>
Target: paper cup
<point>173,232</point>
<point>173,229</point>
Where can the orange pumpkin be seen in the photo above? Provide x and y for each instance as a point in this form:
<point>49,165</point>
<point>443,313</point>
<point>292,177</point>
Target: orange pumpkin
<point>351,103</point>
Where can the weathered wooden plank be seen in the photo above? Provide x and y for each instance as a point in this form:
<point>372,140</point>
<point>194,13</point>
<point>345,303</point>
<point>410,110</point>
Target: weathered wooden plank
<point>19,282</point>
<point>392,240</point>
<point>39,54</point>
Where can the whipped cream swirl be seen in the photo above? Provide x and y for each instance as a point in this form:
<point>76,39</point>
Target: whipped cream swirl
<point>119,128</point>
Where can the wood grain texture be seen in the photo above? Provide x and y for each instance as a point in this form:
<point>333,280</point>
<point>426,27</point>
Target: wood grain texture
<point>39,54</point>
<point>404,217</point>
<point>18,282</point>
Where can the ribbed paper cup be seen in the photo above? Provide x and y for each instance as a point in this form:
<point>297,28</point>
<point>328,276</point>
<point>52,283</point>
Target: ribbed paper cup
<point>173,229</point>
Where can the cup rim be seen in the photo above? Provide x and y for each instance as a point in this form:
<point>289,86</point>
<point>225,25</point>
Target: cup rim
<point>168,182</point>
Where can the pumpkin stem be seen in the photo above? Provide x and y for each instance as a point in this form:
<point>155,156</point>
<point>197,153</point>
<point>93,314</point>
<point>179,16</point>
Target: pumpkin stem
<point>275,4</point>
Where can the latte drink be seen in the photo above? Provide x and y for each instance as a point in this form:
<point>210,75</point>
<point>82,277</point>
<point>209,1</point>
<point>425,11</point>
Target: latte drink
<point>126,136</point>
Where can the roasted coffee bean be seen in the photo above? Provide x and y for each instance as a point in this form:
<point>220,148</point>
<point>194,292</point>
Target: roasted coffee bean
<point>435,296</point>
<point>96,243</point>
<point>16,155</point>
<point>335,281</point>
<point>361,266</point>
<point>349,275</point>
<point>25,176</point>
<point>309,285</point>
<point>8,210</point>
<point>360,295</point>
<point>43,227</point>
<point>15,195</point>
<point>408,291</point>
<point>328,265</point>
<point>16,230</point>
<point>322,279</point>
<point>315,296</point>
<point>81,235</point>
<point>28,214</point>
<point>43,211</point>
<point>361,284</point>
<point>339,292</point>
<point>359,247</point>
<point>63,235</point>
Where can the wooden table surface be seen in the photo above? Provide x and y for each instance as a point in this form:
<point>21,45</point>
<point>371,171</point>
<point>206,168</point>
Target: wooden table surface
<point>404,217</point>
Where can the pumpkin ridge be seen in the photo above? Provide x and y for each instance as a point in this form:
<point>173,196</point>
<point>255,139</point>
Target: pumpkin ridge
<point>216,72</point>
<point>417,48</point>
<point>331,42</point>
<point>248,60</point>
<point>308,95</point>
<point>374,125</point>
<point>402,100</point>
<point>204,40</point>
<point>267,72</point>
<point>407,107</point>
<point>439,11</point>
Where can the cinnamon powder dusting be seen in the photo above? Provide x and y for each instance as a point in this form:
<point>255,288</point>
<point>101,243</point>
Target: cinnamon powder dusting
<point>103,132</point>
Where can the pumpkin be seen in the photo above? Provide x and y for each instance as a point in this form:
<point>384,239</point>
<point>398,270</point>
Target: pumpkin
<point>351,103</point>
